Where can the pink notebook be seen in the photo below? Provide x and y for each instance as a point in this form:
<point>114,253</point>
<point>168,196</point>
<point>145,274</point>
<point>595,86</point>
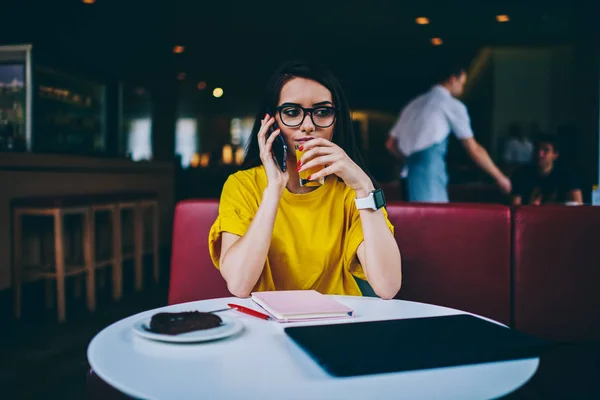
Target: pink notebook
<point>300,305</point>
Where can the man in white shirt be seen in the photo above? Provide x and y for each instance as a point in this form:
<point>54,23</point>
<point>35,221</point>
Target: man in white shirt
<point>420,138</point>
<point>518,149</point>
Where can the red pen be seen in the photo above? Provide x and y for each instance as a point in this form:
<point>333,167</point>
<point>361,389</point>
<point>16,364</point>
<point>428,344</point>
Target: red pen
<point>249,311</point>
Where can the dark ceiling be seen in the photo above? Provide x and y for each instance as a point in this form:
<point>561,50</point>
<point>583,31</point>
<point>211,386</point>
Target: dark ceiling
<point>375,47</point>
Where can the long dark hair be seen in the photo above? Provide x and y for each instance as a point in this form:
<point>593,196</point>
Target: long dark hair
<point>343,134</point>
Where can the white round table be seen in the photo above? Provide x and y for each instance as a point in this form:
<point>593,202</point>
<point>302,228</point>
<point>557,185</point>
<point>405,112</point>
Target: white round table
<point>261,362</point>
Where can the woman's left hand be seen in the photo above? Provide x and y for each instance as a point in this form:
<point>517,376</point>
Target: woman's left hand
<point>322,152</point>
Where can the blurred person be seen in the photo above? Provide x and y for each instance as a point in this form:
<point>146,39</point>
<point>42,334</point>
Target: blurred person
<point>420,138</point>
<point>518,149</point>
<point>274,233</point>
<point>546,182</point>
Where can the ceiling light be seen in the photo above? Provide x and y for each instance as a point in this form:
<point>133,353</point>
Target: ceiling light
<point>181,76</point>
<point>178,49</point>
<point>502,18</point>
<point>422,21</point>
<point>201,85</point>
<point>218,92</point>
<point>436,41</point>
<point>88,1</point>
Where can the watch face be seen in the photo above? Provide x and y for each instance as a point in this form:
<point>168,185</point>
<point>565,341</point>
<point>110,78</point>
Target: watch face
<point>379,198</point>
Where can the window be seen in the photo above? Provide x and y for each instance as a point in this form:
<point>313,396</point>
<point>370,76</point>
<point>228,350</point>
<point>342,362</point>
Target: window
<point>136,122</point>
<point>186,140</point>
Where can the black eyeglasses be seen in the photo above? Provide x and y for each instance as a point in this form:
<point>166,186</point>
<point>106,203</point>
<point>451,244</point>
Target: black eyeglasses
<point>293,115</point>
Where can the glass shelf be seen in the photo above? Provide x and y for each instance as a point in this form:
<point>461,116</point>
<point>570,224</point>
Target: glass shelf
<point>69,110</point>
<point>15,105</point>
<point>69,113</point>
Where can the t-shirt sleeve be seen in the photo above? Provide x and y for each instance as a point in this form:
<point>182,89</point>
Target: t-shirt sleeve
<point>459,120</point>
<point>236,213</point>
<point>354,238</point>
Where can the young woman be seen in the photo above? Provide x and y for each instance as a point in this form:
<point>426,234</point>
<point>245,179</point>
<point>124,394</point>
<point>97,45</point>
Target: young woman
<point>273,233</point>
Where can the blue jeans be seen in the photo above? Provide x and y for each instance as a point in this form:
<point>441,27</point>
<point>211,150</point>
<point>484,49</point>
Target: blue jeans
<point>427,177</point>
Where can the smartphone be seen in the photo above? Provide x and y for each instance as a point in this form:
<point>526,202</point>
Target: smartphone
<point>279,148</point>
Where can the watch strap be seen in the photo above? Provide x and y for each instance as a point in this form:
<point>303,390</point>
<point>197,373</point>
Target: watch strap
<point>366,202</point>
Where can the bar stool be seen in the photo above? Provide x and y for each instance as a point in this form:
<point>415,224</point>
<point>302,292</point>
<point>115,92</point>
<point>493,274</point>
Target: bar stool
<point>56,207</point>
<point>138,203</point>
<point>141,203</point>
<point>120,256</point>
<point>88,206</point>
<point>152,206</point>
<point>116,259</point>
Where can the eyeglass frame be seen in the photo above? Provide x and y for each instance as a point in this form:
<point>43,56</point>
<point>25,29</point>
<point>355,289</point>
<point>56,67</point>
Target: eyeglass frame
<point>306,111</point>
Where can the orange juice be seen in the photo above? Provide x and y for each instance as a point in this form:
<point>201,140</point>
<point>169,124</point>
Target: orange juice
<point>306,173</point>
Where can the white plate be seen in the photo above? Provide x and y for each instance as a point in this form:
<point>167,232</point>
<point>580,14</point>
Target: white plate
<point>229,327</point>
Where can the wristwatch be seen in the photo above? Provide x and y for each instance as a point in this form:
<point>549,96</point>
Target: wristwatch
<point>374,201</point>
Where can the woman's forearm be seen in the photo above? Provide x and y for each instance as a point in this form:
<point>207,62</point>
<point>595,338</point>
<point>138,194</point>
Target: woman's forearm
<point>242,263</point>
<point>379,253</point>
<point>382,262</point>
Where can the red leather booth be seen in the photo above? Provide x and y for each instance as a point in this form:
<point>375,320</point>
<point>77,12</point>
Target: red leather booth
<point>455,255</point>
<point>556,272</point>
<point>532,268</point>
<point>193,275</point>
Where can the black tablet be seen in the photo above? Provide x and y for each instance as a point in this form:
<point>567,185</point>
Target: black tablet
<point>362,348</point>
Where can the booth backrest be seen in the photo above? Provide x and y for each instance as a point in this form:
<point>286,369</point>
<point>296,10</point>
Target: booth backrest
<point>455,255</point>
<point>193,275</point>
<point>556,271</point>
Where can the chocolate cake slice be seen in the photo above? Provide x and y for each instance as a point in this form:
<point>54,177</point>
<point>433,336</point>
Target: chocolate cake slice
<point>183,322</point>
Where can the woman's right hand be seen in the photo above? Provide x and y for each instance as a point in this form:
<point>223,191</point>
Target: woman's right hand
<point>276,178</point>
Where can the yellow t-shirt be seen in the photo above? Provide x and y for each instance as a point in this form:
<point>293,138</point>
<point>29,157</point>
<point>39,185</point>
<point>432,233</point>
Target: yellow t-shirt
<point>315,236</point>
